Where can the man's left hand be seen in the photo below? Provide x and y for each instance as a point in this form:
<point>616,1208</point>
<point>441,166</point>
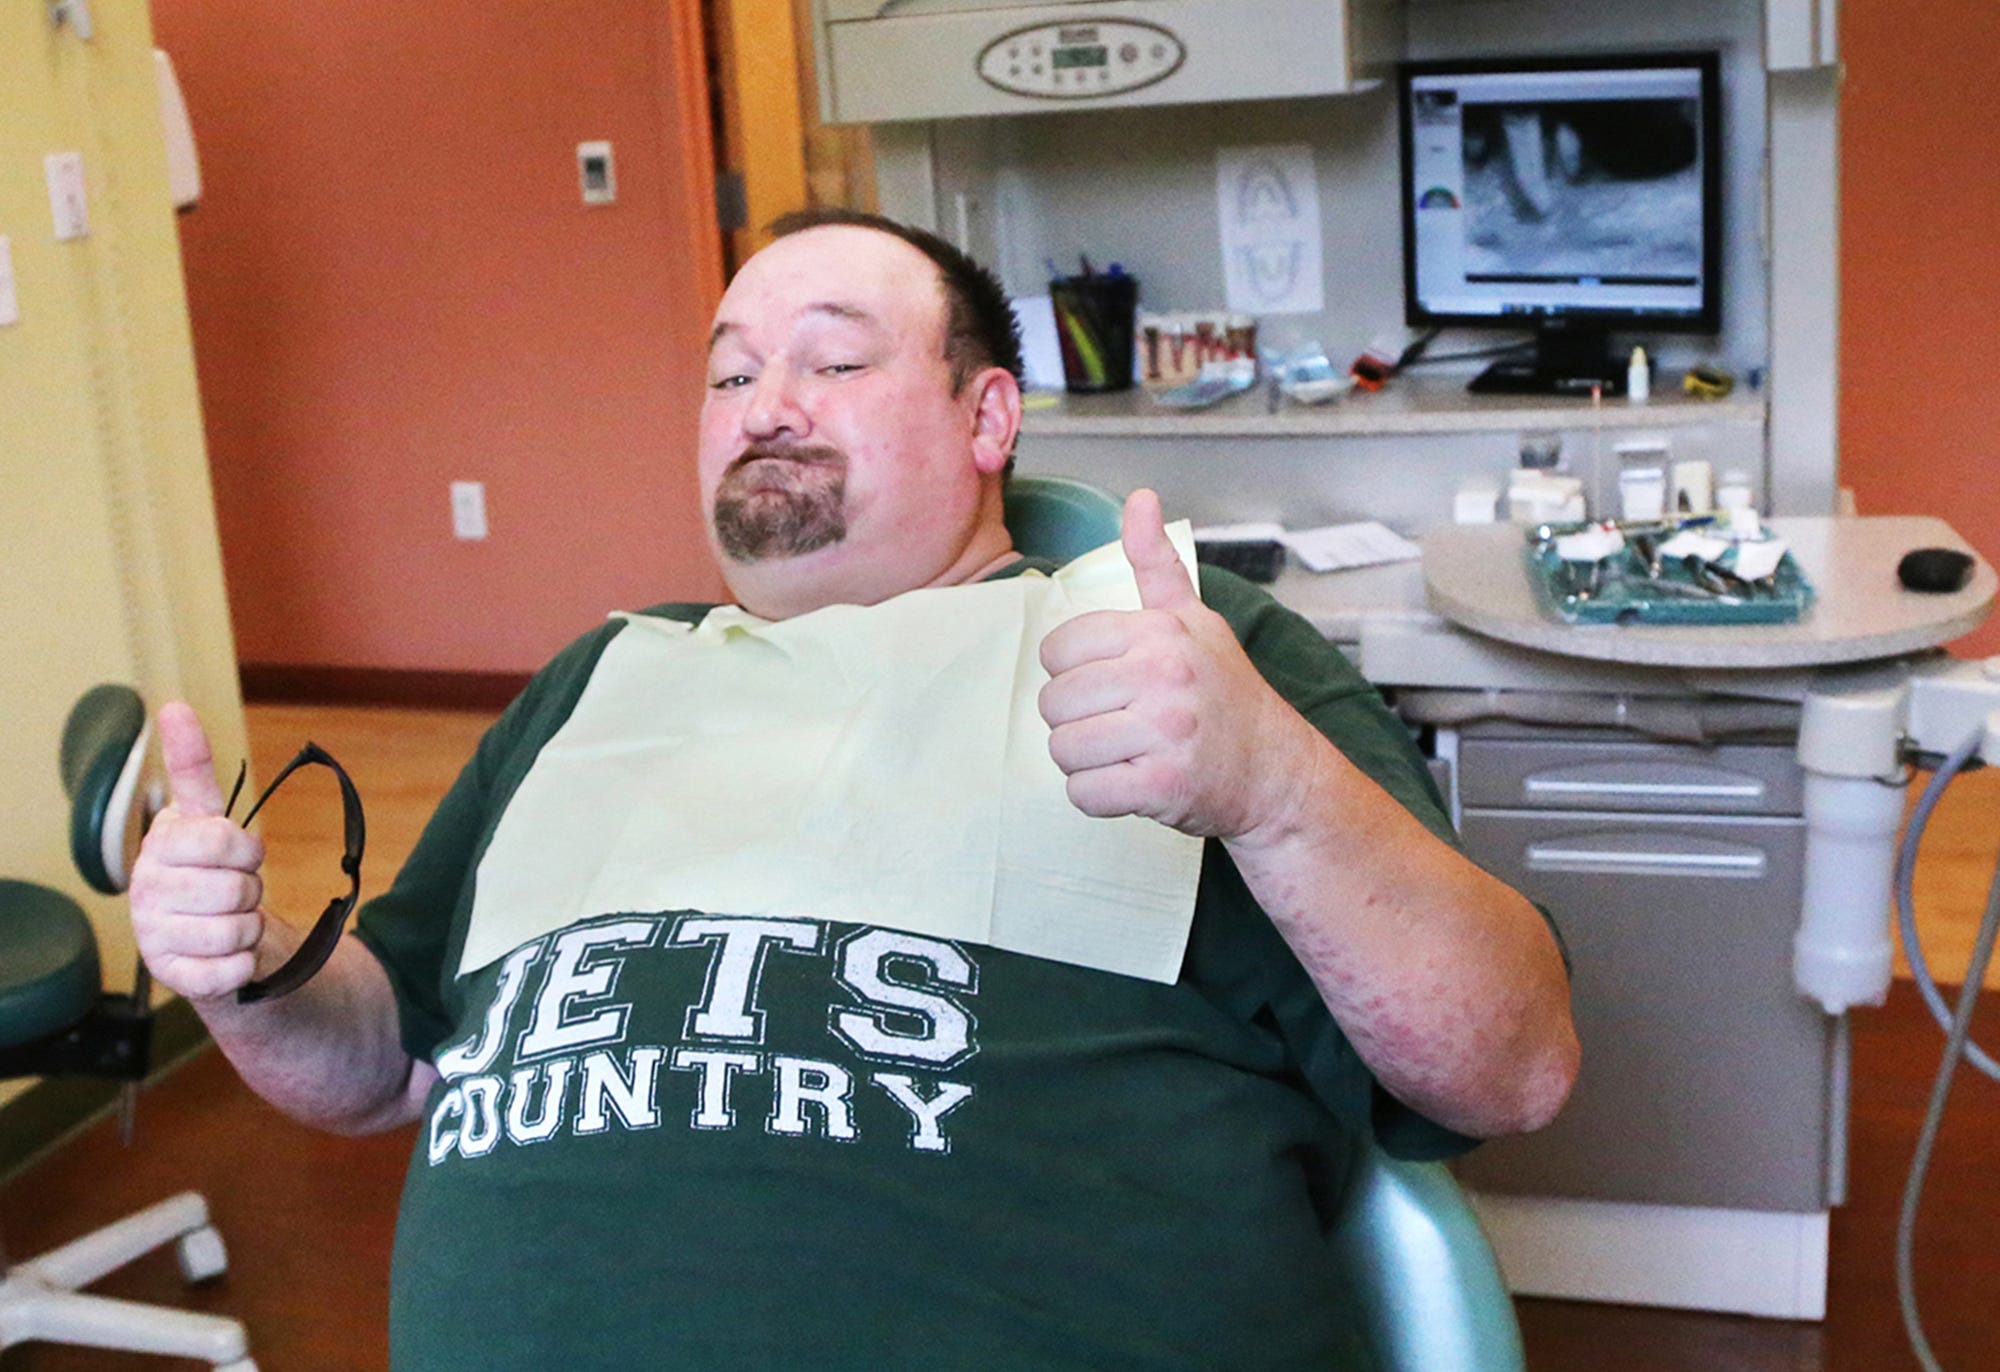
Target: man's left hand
<point>1158,712</point>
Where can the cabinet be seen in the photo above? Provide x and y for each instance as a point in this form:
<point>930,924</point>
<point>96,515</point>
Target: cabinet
<point>881,61</point>
<point>1674,873</point>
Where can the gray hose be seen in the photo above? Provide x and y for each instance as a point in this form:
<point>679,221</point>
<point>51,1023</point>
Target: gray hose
<point>1906,914</point>
<point>1913,1190</point>
<point>1957,1024</point>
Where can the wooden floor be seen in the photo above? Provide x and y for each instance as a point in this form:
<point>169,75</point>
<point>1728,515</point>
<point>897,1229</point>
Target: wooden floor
<point>309,1219</point>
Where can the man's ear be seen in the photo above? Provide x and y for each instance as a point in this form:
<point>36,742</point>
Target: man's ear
<point>996,418</point>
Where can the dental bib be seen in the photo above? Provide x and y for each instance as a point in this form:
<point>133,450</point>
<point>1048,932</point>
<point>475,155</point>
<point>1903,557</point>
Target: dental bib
<point>882,765</point>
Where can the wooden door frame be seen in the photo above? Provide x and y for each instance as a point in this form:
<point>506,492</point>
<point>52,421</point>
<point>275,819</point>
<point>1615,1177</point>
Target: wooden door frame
<point>680,46</point>
<point>760,110</point>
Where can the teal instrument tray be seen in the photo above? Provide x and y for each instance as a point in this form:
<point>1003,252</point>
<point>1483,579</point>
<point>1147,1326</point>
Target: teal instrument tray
<point>1617,590</point>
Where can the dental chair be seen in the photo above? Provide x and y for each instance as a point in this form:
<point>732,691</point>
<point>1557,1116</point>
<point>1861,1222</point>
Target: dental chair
<point>57,1020</point>
<point>1428,1291</point>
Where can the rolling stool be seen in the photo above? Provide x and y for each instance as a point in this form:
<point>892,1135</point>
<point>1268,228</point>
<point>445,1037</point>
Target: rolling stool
<point>57,1020</point>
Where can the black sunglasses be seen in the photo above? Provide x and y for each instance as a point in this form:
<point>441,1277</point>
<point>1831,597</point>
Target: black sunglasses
<point>325,935</point>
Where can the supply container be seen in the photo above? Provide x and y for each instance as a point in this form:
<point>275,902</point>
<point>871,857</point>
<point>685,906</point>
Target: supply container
<point>1094,319</point>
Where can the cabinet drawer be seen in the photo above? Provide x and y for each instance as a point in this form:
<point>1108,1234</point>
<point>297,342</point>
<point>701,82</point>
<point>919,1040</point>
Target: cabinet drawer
<point>1514,774</point>
<point>1705,1077</point>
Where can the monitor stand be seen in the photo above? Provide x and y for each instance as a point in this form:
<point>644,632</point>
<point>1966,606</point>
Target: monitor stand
<point>1567,361</point>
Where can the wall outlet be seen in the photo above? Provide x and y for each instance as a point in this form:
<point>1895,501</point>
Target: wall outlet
<point>596,173</point>
<point>69,200</point>
<point>468,509</point>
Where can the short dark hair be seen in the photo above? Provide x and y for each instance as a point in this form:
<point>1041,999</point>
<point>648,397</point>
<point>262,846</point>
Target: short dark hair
<point>979,329</point>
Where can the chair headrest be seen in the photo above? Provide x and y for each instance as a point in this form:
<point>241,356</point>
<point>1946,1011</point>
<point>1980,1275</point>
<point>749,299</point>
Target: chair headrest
<point>103,751</point>
<point>1055,517</point>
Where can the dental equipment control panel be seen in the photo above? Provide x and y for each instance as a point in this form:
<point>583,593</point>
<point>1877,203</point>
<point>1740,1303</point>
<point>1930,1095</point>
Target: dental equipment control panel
<point>1081,61</point>
<point>894,60</point>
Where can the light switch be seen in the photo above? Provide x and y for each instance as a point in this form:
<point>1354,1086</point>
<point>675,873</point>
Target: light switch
<point>468,509</point>
<point>10,305</point>
<point>67,200</point>
<point>596,173</point>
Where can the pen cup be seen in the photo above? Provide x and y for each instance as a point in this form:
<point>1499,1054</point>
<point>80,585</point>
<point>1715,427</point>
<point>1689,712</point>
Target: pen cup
<point>1094,316</point>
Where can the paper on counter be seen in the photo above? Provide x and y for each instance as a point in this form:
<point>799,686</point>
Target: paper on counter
<point>1268,201</point>
<point>1337,547</point>
<point>884,765</point>
<point>1757,560</point>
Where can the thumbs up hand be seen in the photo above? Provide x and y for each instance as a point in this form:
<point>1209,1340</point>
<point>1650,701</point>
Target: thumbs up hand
<point>1158,711</point>
<point>195,886</point>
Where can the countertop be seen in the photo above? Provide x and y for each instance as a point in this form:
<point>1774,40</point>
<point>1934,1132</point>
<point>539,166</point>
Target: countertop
<point>1412,404</point>
<point>1475,576</point>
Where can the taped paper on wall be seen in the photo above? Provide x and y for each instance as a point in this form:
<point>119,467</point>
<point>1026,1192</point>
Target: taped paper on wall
<point>1268,199</point>
<point>1041,353</point>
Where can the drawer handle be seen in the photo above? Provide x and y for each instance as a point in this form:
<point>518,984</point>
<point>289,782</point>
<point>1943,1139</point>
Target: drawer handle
<point>1549,857</point>
<point>1697,790</point>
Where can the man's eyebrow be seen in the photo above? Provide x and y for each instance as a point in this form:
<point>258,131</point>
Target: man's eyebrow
<point>835,308</point>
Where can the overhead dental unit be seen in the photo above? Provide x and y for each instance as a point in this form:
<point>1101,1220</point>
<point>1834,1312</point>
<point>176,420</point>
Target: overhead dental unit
<point>885,60</point>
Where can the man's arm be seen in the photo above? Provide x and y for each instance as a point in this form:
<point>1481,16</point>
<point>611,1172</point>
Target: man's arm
<point>329,1054</point>
<point>1448,982</point>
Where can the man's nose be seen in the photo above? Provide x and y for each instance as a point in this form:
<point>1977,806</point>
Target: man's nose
<point>774,406</point>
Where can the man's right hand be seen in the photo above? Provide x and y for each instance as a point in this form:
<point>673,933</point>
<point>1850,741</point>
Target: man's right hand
<point>195,887</point>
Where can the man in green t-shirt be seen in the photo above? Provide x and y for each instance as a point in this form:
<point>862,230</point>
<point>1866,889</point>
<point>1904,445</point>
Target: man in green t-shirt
<point>704,1139</point>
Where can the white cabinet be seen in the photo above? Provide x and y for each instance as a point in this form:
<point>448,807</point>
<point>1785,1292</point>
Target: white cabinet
<point>1801,34</point>
<point>882,61</point>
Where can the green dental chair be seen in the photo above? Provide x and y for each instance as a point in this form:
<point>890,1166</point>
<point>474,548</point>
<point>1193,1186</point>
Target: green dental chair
<point>1428,1290</point>
<point>57,1020</point>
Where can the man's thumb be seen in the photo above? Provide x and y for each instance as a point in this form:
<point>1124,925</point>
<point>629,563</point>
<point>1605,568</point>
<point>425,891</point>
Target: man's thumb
<point>190,766</point>
<point>1163,581</point>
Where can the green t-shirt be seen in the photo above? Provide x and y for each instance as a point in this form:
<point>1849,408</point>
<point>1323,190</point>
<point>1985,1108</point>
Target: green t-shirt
<point>683,1139</point>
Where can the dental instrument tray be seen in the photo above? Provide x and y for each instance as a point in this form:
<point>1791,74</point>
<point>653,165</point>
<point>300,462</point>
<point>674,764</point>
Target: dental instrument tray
<point>1655,573</point>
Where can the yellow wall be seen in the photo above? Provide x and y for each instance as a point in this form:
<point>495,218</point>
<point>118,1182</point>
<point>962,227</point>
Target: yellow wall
<point>109,566</point>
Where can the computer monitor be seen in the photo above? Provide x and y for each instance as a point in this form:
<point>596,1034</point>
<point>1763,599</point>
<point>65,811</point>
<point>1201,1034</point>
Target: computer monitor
<point>1575,196</point>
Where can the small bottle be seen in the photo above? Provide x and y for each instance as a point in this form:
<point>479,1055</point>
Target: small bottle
<point>1638,379</point>
<point>1733,492</point>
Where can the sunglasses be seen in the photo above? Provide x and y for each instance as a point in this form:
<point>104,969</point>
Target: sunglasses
<point>325,934</point>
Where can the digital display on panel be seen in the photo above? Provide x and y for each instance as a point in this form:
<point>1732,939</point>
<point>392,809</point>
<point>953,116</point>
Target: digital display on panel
<point>1065,58</point>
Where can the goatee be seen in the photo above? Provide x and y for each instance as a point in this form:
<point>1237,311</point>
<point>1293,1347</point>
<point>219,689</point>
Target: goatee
<point>777,502</point>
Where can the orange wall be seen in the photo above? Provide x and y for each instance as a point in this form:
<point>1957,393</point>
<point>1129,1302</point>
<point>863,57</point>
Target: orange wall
<point>394,285</point>
<point>1920,266</point>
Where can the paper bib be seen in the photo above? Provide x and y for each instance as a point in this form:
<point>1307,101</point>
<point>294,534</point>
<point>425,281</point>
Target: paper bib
<point>883,765</point>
